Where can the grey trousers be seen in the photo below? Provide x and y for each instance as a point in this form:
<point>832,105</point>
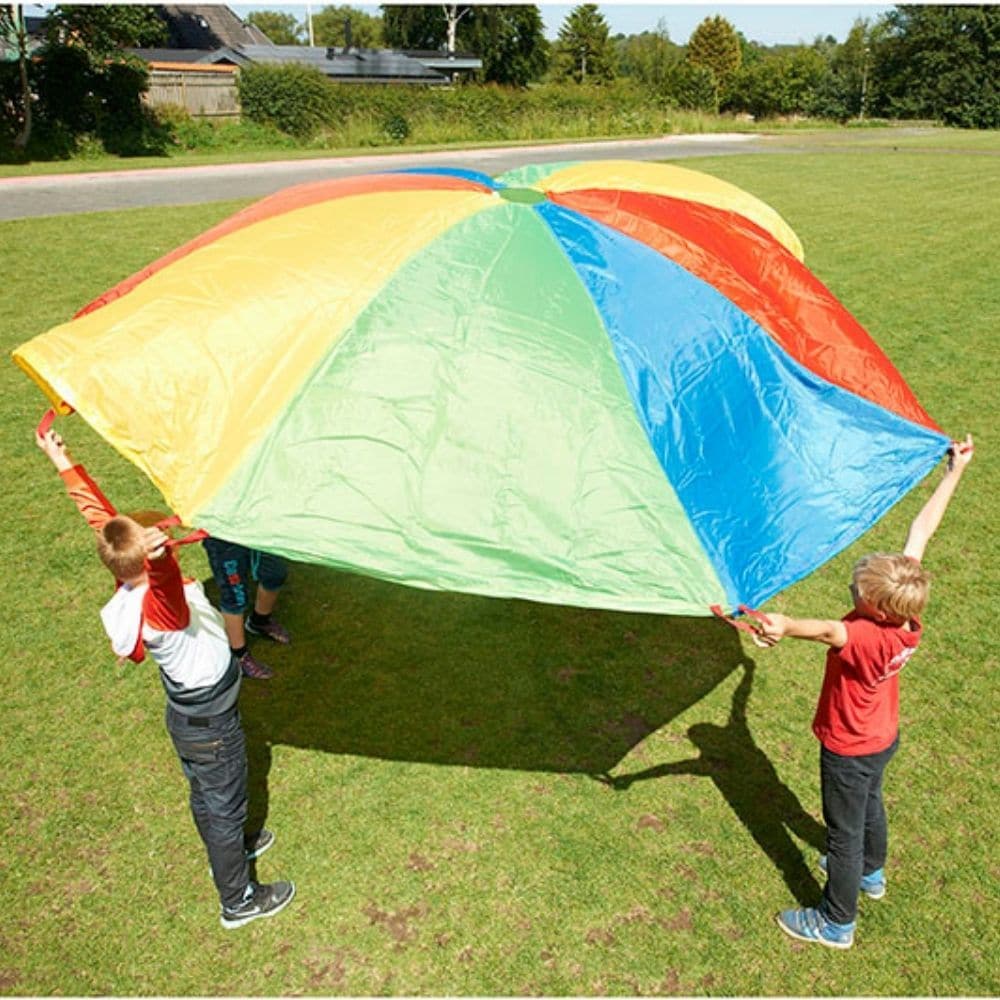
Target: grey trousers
<point>213,756</point>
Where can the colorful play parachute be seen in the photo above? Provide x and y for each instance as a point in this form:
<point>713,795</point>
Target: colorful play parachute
<point>605,384</point>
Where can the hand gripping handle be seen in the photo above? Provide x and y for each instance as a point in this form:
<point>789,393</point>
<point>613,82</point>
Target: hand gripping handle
<point>737,623</point>
<point>171,522</point>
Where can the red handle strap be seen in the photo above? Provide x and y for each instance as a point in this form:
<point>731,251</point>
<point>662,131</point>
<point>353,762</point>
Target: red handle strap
<point>759,615</point>
<point>171,522</point>
<point>45,424</point>
<point>737,623</point>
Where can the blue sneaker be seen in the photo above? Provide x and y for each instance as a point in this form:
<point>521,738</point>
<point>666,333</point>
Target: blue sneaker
<point>811,925</point>
<point>872,884</point>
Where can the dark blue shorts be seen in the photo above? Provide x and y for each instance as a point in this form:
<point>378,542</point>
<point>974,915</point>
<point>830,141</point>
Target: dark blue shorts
<point>234,566</point>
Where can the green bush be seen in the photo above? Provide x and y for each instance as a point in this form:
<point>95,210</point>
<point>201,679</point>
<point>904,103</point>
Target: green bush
<point>298,100</point>
<point>396,127</point>
<point>125,125</point>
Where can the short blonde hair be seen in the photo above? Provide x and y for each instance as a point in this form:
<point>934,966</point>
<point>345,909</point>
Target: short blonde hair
<point>121,545</point>
<point>894,584</point>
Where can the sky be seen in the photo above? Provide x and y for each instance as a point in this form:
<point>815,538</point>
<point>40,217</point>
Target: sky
<point>769,24</point>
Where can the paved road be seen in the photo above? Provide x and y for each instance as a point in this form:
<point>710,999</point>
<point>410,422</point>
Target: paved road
<point>63,194</point>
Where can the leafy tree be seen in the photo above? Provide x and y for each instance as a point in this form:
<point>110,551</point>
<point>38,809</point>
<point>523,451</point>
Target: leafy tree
<point>852,65</point>
<point>648,57</point>
<point>787,83</point>
<point>689,86</point>
<point>12,26</point>
<point>760,89</point>
<point>584,51</point>
<point>750,52</point>
<point>86,85</point>
<point>280,26</point>
<point>715,45</point>
<point>414,27</point>
<point>939,62</point>
<point>805,73</point>
<point>329,27</point>
<point>102,30</point>
<point>510,40</point>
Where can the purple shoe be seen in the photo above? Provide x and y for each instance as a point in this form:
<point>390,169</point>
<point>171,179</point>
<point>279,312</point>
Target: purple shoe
<point>270,630</point>
<point>252,667</point>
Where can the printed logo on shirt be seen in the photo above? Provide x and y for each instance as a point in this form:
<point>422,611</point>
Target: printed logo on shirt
<point>897,663</point>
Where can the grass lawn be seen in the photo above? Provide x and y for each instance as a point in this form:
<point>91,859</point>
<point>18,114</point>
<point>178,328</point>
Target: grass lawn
<point>432,763</point>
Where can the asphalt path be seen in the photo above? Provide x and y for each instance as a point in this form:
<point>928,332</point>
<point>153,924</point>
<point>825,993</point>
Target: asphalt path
<point>67,194</point>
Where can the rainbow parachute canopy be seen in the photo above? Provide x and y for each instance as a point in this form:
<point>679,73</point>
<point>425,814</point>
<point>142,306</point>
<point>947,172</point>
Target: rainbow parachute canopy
<point>605,384</point>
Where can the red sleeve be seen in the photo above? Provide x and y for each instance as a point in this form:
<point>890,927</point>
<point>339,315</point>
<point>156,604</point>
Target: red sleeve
<point>868,649</point>
<point>165,607</point>
<point>86,494</point>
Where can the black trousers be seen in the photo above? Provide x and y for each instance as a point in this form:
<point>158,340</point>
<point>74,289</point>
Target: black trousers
<point>213,756</point>
<point>857,834</point>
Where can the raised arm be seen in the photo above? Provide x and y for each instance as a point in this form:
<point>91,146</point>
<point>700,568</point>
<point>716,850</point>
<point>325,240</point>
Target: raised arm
<point>95,507</point>
<point>926,522</point>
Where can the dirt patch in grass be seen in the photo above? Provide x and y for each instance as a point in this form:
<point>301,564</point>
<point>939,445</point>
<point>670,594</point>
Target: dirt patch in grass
<point>397,924</point>
<point>599,935</point>
<point>650,822</point>
<point>326,970</point>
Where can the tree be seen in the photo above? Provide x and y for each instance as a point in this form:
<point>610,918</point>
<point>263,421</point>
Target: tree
<point>102,30</point>
<point>510,40</point>
<point>12,26</point>
<point>791,82</point>
<point>584,51</point>
<point>750,52</point>
<point>648,57</point>
<point>939,62</point>
<point>279,26</point>
<point>87,85</point>
<point>851,66</point>
<point>330,27</point>
<point>414,27</point>
<point>715,45</point>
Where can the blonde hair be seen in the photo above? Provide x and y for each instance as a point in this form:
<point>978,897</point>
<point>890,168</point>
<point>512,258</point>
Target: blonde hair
<point>121,546</point>
<point>894,584</point>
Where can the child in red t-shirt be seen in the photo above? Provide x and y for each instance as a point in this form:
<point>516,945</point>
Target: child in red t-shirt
<point>857,718</point>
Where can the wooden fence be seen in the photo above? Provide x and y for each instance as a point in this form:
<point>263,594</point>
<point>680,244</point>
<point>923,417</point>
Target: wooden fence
<point>203,91</point>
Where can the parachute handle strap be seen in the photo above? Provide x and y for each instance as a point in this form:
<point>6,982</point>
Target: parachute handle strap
<point>45,424</point>
<point>48,418</point>
<point>172,522</point>
<point>742,626</point>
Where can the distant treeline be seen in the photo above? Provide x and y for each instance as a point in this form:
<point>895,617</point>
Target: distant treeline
<point>79,93</point>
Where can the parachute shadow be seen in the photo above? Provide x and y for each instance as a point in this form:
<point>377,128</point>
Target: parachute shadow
<point>748,781</point>
<point>387,671</point>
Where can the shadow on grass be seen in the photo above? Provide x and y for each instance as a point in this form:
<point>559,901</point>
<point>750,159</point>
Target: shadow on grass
<point>747,780</point>
<point>386,671</point>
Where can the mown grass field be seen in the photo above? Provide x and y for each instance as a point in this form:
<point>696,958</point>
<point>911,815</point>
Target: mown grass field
<point>436,766</point>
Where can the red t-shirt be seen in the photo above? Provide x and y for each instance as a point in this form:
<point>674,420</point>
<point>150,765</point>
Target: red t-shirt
<point>858,710</point>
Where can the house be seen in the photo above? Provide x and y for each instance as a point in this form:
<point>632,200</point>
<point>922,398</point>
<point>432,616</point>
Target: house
<point>208,44</point>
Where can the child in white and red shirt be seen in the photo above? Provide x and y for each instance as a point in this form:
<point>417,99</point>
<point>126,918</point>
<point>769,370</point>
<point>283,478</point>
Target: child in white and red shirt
<point>155,610</point>
<point>857,718</point>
